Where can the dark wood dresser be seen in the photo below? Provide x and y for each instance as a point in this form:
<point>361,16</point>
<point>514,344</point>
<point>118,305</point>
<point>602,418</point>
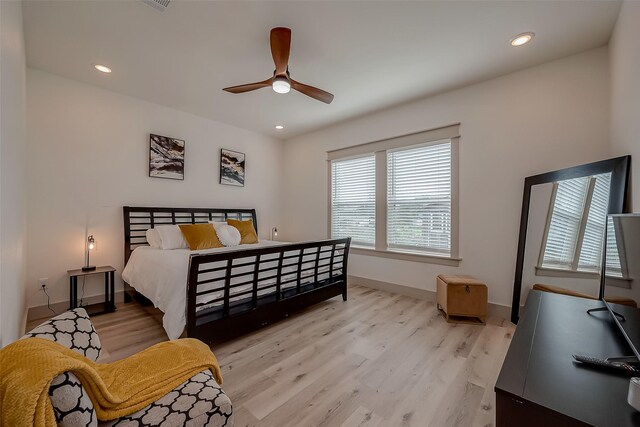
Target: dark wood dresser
<point>540,385</point>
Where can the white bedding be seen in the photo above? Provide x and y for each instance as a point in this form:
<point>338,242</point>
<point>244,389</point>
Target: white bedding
<point>161,276</point>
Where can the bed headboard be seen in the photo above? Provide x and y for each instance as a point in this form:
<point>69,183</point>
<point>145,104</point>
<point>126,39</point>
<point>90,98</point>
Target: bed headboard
<point>137,220</point>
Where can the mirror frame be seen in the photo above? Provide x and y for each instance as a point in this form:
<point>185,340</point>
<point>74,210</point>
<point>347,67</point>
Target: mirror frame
<point>618,203</point>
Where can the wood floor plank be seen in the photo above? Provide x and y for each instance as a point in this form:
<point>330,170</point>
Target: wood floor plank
<point>459,405</point>
<point>363,417</point>
<point>313,404</point>
<point>295,373</point>
<point>244,388</point>
<point>280,345</point>
<point>378,359</point>
<point>421,395</point>
<point>486,413</point>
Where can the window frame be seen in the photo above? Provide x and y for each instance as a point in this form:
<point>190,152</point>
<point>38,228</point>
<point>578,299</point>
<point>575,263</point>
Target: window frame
<point>379,149</point>
<point>574,268</point>
<point>582,225</point>
<point>622,281</point>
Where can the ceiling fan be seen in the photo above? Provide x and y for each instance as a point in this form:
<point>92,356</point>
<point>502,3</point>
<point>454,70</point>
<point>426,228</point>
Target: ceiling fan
<point>281,82</point>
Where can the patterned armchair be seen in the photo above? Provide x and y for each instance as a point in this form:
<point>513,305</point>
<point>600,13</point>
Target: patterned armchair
<point>197,402</point>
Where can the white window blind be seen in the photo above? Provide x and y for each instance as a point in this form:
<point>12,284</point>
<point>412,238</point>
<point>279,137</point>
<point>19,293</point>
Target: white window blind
<point>575,235</point>
<point>591,249</point>
<point>353,199</point>
<point>565,223</point>
<point>419,199</point>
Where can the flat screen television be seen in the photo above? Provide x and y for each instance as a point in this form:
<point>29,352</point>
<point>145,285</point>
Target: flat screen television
<point>621,275</point>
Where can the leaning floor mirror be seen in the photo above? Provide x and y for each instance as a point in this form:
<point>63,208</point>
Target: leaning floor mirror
<point>562,228</point>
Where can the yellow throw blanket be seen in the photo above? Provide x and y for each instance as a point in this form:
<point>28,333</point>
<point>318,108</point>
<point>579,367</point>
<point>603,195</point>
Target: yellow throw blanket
<point>116,389</point>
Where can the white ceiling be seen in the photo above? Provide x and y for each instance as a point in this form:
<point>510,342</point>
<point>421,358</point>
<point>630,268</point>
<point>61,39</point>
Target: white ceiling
<point>371,55</point>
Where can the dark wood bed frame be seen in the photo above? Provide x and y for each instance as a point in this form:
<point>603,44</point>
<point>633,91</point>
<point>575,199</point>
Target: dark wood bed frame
<point>284,278</point>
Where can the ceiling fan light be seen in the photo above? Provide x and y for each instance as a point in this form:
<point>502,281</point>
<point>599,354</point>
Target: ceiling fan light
<point>281,85</point>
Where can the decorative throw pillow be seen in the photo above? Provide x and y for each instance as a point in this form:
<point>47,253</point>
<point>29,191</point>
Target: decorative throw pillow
<point>228,235</point>
<point>153,238</point>
<point>200,236</point>
<point>171,237</point>
<point>247,231</point>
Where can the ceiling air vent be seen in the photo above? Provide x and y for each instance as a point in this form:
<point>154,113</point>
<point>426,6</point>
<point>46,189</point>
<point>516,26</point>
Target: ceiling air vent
<point>160,5</point>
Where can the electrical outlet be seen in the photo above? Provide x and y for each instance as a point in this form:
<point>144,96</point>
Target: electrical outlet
<point>44,283</point>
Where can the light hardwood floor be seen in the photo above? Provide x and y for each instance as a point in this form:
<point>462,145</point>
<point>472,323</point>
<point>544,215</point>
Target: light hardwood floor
<point>379,359</point>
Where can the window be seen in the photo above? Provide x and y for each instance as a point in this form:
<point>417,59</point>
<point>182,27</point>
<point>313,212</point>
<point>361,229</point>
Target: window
<point>575,231</point>
<point>397,197</point>
<point>353,200</point>
<point>419,199</point>
<point>591,250</point>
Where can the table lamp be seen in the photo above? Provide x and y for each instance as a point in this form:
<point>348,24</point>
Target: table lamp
<point>91,246</point>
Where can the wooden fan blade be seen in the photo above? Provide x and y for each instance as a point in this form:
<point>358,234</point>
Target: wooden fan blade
<point>249,87</point>
<point>280,48</point>
<point>313,92</point>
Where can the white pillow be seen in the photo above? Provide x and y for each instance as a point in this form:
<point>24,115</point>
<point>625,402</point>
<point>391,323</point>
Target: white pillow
<point>227,234</point>
<point>217,222</point>
<point>171,237</point>
<point>153,238</point>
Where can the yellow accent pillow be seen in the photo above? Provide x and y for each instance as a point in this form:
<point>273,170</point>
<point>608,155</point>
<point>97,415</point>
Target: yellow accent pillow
<point>247,231</point>
<point>200,236</point>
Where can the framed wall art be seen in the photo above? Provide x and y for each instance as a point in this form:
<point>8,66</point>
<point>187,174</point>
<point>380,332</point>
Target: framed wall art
<point>166,157</point>
<point>232,168</point>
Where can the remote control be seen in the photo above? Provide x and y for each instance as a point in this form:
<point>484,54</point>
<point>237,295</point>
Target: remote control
<point>604,363</point>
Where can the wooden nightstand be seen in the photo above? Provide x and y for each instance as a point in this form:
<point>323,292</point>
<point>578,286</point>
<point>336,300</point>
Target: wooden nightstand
<point>109,304</point>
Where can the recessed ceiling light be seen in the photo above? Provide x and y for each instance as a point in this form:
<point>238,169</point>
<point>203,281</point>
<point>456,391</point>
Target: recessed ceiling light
<point>279,127</point>
<point>103,68</point>
<point>522,39</point>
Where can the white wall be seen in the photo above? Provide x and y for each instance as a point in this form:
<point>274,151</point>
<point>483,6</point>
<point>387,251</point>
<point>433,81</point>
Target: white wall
<point>544,118</point>
<point>12,173</point>
<point>88,156</point>
<point>625,90</point>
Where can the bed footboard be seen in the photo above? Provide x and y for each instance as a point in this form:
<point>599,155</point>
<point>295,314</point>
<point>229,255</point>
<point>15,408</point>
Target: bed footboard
<point>232,293</point>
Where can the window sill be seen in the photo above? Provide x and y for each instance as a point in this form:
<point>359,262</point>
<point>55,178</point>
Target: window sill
<point>622,282</point>
<point>406,256</point>
<point>558,272</point>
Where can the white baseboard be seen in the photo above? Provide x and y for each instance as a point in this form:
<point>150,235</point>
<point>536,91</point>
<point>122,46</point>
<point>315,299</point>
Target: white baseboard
<point>501,311</point>
<point>392,287</point>
<point>42,311</point>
